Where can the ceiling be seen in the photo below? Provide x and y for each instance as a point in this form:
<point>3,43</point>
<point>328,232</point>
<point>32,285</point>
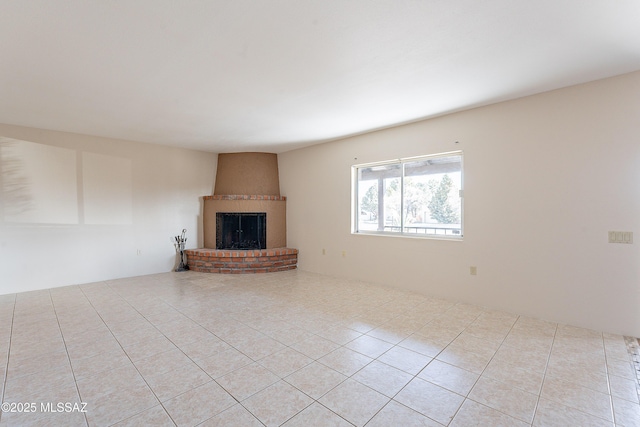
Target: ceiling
<point>273,75</point>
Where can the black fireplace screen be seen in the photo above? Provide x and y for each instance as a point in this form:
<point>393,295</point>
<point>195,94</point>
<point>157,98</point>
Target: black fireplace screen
<point>241,230</point>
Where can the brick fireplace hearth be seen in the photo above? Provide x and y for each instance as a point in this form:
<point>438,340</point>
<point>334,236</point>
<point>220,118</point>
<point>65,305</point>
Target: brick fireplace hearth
<point>242,262</point>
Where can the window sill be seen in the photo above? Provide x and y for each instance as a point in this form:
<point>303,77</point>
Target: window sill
<point>410,235</point>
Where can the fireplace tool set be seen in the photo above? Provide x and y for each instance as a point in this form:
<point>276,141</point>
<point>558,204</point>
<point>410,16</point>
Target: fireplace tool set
<point>179,245</point>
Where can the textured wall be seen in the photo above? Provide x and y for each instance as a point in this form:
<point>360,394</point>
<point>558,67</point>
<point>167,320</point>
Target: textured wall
<point>247,173</point>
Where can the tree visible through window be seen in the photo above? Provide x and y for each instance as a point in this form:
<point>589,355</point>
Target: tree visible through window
<point>418,196</point>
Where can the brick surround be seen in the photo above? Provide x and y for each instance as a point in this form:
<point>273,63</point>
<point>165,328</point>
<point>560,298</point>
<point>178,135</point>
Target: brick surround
<point>242,261</point>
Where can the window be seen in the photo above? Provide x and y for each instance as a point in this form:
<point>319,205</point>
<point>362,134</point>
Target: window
<point>420,196</point>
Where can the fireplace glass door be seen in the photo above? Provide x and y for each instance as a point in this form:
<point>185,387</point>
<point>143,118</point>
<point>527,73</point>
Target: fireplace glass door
<point>241,230</point>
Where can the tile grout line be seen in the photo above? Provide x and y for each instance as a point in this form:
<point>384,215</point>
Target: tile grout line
<point>232,346</point>
<point>120,344</point>
<point>440,352</point>
<point>633,351</point>
<point>315,334</point>
<point>6,371</point>
<point>417,374</point>
<point>186,355</point>
<point>289,346</point>
<point>177,347</point>
<point>606,371</point>
<point>75,381</point>
<point>122,297</point>
<point>484,369</point>
<point>414,376</point>
<point>636,365</point>
<point>546,368</point>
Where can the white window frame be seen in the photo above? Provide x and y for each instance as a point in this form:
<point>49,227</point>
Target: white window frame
<point>355,199</point>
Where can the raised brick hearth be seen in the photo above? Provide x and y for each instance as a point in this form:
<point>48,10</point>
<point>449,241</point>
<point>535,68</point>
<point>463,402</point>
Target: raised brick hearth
<point>242,261</point>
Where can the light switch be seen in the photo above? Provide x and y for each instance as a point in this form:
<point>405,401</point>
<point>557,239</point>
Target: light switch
<point>625,237</point>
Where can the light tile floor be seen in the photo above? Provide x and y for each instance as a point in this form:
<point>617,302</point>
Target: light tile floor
<point>297,349</point>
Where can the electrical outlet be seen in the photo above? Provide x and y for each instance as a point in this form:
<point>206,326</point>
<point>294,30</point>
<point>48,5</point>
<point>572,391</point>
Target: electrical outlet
<point>473,270</point>
<point>139,252</point>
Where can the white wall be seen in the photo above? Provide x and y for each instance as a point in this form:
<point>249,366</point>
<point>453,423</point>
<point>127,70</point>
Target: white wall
<point>546,177</point>
<point>85,206</point>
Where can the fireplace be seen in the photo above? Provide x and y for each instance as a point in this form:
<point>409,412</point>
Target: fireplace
<point>246,230</point>
<point>245,203</point>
